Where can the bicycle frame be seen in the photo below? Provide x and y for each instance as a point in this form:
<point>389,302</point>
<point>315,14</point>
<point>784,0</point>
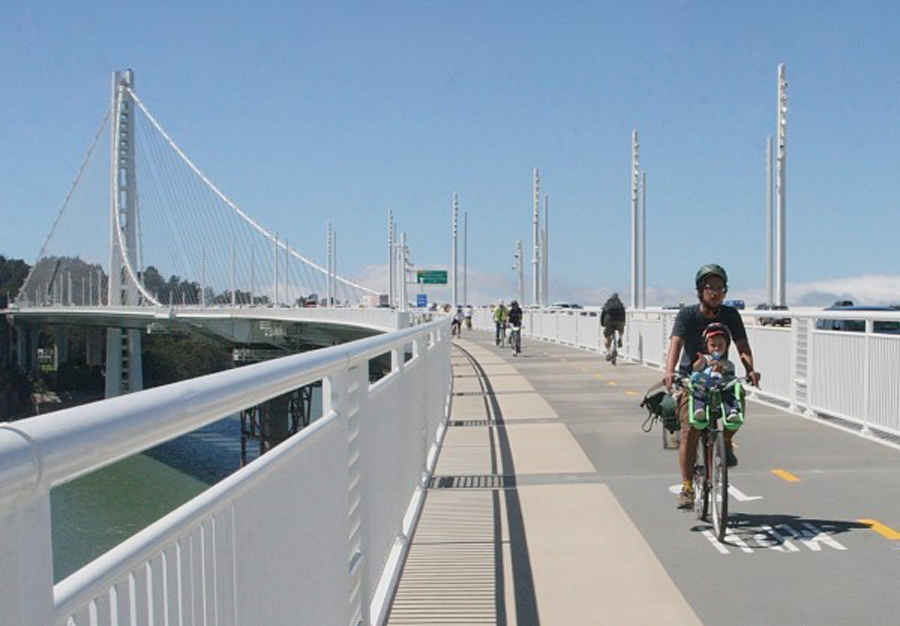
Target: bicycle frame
<point>711,464</point>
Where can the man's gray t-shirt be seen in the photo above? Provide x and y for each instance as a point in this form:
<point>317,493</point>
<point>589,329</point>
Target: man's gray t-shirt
<point>690,324</point>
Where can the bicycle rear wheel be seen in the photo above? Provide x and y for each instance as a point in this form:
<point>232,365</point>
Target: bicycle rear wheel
<point>719,486</point>
<point>701,484</point>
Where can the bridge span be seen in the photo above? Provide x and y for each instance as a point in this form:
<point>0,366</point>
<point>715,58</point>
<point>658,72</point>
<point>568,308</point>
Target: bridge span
<point>476,487</point>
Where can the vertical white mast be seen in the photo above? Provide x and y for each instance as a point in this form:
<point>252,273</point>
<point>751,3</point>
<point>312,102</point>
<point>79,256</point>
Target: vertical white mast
<point>328,263</point>
<point>643,293</point>
<point>781,181</point>
<point>454,296</point>
<point>404,260</point>
<point>770,265</point>
<point>535,250</point>
<point>520,270</point>
<point>275,270</point>
<point>635,180</point>
<point>465,275</point>
<point>545,253</point>
<point>391,270</point>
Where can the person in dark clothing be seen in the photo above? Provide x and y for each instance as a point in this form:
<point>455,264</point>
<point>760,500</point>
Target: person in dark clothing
<point>612,318</point>
<point>515,323</point>
<point>686,345</point>
<point>515,314</point>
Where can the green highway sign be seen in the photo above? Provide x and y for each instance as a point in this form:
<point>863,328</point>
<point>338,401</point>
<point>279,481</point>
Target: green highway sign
<point>431,277</point>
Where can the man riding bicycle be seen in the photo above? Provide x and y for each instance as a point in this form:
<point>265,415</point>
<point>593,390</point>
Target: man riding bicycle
<point>612,318</point>
<point>501,315</point>
<point>514,317</point>
<point>685,345</point>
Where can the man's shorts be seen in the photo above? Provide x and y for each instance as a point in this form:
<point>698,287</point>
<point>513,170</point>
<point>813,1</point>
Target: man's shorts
<point>612,327</point>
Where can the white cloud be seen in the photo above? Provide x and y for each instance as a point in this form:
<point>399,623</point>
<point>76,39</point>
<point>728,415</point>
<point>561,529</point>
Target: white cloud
<point>486,287</point>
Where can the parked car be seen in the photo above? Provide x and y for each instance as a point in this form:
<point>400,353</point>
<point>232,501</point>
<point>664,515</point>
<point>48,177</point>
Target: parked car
<point>888,327</point>
<point>773,321</point>
<point>738,304</point>
<point>565,305</point>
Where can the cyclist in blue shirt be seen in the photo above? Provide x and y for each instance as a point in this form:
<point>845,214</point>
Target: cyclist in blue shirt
<point>685,344</point>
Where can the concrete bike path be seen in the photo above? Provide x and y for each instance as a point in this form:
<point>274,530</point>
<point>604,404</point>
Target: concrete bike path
<point>517,528</point>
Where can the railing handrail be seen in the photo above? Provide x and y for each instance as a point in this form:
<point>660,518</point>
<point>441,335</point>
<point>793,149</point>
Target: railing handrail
<point>63,445</point>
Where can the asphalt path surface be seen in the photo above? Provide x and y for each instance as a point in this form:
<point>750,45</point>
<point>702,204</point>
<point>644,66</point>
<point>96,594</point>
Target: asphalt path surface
<point>814,510</point>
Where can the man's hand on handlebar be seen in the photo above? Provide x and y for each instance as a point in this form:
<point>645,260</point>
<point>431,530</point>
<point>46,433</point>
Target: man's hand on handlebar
<point>669,379</point>
<point>753,378</point>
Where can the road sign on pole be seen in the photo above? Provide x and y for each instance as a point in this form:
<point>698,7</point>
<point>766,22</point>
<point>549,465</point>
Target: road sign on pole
<point>421,300</point>
<point>431,277</point>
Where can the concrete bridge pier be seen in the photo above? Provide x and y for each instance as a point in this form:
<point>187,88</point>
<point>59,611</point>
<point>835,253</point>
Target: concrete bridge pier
<point>124,366</point>
<point>61,341</point>
<point>26,347</point>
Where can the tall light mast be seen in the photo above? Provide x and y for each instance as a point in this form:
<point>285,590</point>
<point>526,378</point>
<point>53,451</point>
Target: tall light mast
<point>453,287</point>
<point>635,181</point>
<point>391,276</point>
<point>545,253</point>
<point>781,182</point>
<point>536,244</point>
<point>643,291</point>
<point>770,265</point>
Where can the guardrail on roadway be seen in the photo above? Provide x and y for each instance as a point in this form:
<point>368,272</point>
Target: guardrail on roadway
<point>814,371</point>
<point>312,532</point>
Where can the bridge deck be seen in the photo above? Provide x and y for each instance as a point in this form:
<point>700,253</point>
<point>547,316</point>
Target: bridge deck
<point>518,526</point>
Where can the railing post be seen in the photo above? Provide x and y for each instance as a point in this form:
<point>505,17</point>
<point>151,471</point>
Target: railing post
<point>340,392</point>
<point>867,379</point>
<point>26,576</point>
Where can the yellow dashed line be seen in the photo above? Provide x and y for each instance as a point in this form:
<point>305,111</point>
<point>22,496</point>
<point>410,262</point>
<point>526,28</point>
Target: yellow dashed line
<point>597,376</point>
<point>881,529</point>
<point>786,475</point>
<point>632,393</point>
<point>613,383</point>
<point>584,369</point>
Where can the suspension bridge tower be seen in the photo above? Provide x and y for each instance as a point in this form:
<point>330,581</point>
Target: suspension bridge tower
<point>124,369</point>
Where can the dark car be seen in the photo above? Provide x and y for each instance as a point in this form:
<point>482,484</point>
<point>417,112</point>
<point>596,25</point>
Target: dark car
<point>888,327</point>
<point>773,321</point>
<point>738,304</point>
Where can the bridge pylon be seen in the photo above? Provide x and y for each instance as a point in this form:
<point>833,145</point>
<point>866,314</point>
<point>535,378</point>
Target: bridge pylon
<point>124,369</point>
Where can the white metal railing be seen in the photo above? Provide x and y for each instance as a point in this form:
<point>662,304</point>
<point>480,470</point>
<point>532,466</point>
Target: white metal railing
<point>312,532</point>
<point>814,370</point>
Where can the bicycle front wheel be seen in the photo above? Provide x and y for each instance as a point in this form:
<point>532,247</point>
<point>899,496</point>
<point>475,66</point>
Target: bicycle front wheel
<point>719,487</point>
<point>701,484</point>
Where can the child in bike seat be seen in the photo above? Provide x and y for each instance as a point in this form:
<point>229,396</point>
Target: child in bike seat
<point>710,368</point>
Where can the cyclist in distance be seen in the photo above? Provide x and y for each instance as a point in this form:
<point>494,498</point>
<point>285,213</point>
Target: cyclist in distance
<point>456,323</point>
<point>686,345</point>
<point>612,318</point>
<point>514,316</point>
<point>500,317</point>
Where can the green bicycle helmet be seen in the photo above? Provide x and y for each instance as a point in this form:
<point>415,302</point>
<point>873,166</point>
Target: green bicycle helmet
<point>710,269</point>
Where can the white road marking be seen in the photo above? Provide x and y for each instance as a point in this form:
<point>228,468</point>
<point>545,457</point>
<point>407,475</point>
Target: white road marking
<point>740,495</point>
<point>736,493</point>
<point>733,537</point>
<point>715,542</point>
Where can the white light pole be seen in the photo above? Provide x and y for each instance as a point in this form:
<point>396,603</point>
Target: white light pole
<point>545,253</point>
<point>519,266</point>
<point>536,244</point>
<point>781,182</point>
<point>643,240</point>
<point>465,277</point>
<point>275,270</point>
<point>391,271</point>
<point>455,296</point>
<point>770,286</point>
<point>635,181</point>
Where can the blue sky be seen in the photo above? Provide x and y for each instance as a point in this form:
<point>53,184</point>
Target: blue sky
<point>309,112</point>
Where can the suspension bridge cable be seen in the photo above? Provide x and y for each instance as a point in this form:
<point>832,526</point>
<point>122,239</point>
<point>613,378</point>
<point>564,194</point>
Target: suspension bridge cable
<point>228,201</point>
<point>65,203</point>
